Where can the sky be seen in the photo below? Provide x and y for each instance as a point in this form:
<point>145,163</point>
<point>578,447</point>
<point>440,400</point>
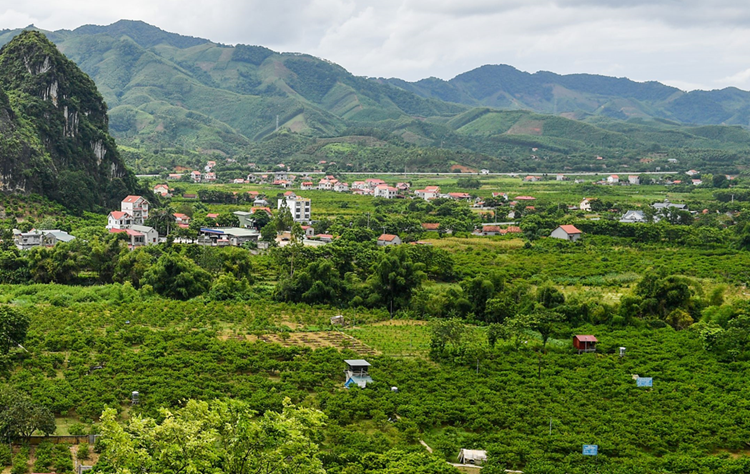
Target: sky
<point>690,44</point>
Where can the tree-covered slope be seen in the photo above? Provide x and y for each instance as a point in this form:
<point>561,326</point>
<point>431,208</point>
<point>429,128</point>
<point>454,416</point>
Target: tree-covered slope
<point>55,138</point>
<point>166,90</point>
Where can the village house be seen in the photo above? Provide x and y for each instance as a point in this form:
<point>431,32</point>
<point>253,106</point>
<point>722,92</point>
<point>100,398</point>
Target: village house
<point>36,238</point>
<point>613,179</point>
<point>388,239</point>
<point>136,207</point>
<point>309,230</point>
<point>360,185</point>
<point>663,206</point>
<point>196,176</point>
<point>431,226</point>
<point>484,171</point>
<point>560,177</point>
<point>428,193</point>
<point>225,236</point>
<point>180,218</point>
<point>161,189</point>
<point>633,217</point>
<point>696,182</point>
<point>385,191</point>
<point>174,176</point>
<point>460,196</point>
<point>585,205</point>
<point>532,179</point>
<point>119,220</point>
<point>488,230</point>
<point>238,181</point>
<point>325,184</point>
<point>567,232</point>
<point>403,186</point>
<point>373,183</point>
<point>139,235</point>
<point>327,238</point>
<point>633,179</point>
<point>209,177</point>
<point>340,187</point>
<point>305,185</point>
<point>692,172</point>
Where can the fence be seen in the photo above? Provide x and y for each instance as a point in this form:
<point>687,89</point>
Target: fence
<point>36,440</point>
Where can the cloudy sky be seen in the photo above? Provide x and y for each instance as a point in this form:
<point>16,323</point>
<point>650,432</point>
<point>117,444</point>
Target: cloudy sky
<point>691,44</point>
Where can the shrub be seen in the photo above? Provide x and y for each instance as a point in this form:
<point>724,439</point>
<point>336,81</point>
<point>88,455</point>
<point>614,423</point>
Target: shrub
<point>77,429</point>
<point>83,451</point>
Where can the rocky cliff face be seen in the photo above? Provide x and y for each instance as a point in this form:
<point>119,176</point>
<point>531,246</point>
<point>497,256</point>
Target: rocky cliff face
<point>54,136</point>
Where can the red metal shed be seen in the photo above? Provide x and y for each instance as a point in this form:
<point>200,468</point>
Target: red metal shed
<point>585,343</point>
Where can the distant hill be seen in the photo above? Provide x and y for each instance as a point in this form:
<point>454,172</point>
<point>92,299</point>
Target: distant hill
<point>582,95</point>
<point>53,129</point>
<point>175,99</point>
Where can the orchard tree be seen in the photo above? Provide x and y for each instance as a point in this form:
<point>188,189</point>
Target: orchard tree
<point>13,327</point>
<point>220,436</point>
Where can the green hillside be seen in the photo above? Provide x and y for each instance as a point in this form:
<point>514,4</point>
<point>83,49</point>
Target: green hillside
<point>173,100</point>
<point>54,137</point>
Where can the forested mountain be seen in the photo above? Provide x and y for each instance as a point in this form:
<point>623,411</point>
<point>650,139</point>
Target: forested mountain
<point>167,90</point>
<point>582,95</point>
<point>175,99</point>
<point>53,129</point>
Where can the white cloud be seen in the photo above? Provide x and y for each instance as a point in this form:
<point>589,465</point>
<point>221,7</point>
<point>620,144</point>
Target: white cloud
<point>689,42</point>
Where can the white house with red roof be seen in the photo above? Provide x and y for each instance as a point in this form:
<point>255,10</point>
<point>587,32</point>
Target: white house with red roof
<point>429,192</point>
<point>340,187</point>
<point>613,179</point>
<point>181,218</point>
<point>209,177</point>
<point>692,172</point>
<point>532,179</point>
<point>634,179</point>
<point>567,232</point>
<point>196,176</point>
<point>162,189</point>
<point>325,184</point>
<point>373,183</point>
<point>305,185</point>
<point>360,185</point>
<point>388,239</point>
<point>385,191</point>
<point>119,220</point>
<point>460,196</point>
<point>137,207</point>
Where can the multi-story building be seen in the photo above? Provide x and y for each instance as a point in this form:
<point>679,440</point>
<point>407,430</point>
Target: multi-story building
<point>136,207</point>
<point>299,207</point>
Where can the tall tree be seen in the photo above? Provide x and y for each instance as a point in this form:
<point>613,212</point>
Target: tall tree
<point>394,279</point>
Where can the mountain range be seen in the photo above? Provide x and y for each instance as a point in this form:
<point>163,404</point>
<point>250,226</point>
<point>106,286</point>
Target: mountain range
<point>183,96</point>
